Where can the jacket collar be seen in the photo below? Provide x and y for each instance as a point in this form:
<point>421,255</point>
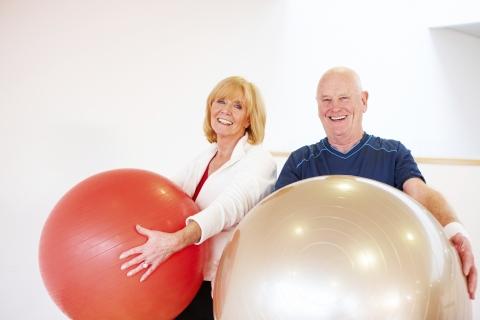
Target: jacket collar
<point>238,152</point>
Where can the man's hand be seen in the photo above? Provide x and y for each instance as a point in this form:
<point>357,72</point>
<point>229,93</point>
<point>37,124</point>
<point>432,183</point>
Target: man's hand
<point>464,249</point>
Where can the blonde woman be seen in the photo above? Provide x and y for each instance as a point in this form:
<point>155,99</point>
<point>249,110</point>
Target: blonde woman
<point>226,181</point>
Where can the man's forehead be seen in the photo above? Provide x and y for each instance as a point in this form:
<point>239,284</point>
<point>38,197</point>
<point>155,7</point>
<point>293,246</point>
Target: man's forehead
<point>337,85</point>
<point>339,79</point>
<point>336,89</point>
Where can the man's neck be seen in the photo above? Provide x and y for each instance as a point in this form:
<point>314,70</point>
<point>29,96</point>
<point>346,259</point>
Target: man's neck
<point>345,144</point>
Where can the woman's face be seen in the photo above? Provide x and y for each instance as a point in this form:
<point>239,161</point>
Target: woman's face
<point>228,117</point>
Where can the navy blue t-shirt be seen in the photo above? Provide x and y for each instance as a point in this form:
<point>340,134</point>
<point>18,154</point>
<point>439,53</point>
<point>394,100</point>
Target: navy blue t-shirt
<point>383,160</point>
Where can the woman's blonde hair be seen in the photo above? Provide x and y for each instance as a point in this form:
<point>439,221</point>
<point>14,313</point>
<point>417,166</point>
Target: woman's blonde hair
<point>252,100</point>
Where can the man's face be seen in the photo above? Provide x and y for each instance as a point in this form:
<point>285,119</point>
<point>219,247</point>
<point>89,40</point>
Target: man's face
<point>341,104</point>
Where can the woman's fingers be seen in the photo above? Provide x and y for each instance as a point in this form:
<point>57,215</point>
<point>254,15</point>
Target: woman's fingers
<point>149,271</point>
<point>130,252</point>
<point>135,270</point>
<point>158,248</point>
<point>133,261</point>
<point>141,265</point>
<point>143,231</point>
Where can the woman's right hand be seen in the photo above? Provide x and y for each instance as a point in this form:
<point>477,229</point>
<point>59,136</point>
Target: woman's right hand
<point>158,248</point>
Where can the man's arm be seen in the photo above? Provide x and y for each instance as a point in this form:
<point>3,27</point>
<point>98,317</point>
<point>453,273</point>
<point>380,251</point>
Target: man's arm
<point>288,175</point>
<point>441,210</point>
<point>430,199</point>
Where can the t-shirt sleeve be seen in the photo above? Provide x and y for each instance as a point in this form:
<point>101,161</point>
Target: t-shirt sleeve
<point>405,167</point>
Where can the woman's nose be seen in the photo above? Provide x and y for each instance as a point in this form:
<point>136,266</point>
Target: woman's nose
<point>227,107</point>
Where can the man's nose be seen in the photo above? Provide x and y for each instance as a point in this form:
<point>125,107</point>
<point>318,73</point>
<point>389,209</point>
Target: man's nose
<point>335,104</point>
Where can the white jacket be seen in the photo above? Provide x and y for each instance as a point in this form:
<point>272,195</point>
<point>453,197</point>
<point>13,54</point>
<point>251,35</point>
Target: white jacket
<point>228,193</point>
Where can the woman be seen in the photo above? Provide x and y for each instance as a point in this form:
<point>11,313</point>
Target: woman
<point>226,181</point>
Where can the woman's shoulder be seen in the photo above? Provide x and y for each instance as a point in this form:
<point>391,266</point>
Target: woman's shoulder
<point>257,150</point>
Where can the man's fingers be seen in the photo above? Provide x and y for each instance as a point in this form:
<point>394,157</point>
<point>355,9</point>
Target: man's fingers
<point>466,257</point>
<point>467,262</point>
<point>472,282</point>
<point>464,249</point>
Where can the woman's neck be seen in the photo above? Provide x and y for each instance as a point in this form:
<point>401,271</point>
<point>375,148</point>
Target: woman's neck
<point>225,147</point>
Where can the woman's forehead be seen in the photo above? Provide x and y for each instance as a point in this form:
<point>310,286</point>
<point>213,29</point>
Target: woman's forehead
<point>231,92</point>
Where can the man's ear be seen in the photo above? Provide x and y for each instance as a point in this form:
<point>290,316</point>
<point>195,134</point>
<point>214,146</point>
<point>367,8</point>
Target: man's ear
<point>365,100</point>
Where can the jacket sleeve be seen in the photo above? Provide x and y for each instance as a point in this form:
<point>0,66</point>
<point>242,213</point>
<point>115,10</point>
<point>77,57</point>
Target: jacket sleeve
<point>251,184</point>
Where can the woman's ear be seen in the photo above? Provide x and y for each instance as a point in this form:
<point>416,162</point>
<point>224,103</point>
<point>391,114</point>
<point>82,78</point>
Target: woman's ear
<point>247,124</point>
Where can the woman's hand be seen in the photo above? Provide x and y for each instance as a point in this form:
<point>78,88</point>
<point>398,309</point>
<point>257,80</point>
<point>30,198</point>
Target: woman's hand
<point>158,248</point>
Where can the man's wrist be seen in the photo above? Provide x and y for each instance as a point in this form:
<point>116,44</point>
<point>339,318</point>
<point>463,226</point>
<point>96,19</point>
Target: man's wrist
<point>453,228</point>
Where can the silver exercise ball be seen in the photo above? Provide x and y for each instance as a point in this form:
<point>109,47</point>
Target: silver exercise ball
<point>340,247</point>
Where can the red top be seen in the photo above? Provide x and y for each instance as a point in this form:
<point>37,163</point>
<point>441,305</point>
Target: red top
<point>200,184</point>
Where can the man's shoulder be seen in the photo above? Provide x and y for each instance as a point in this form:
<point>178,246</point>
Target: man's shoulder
<point>258,153</point>
<point>308,150</point>
<point>306,154</point>
<point>378,143</point>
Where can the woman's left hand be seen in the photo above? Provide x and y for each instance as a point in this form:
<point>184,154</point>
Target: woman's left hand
<point>158,248</point>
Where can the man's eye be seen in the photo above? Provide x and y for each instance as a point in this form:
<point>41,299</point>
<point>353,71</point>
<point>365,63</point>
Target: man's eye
<point>343,98</point>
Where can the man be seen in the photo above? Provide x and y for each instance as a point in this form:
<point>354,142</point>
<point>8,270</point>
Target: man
<point>347,149</point>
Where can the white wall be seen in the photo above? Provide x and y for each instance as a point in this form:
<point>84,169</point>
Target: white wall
<point>95,85</point>
<point>423,83</point>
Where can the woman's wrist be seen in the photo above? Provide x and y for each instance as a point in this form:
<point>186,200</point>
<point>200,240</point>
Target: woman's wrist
<point>190,234</point>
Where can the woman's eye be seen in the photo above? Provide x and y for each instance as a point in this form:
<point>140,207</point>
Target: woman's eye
<point>237,106</point>
<point>222,101</point>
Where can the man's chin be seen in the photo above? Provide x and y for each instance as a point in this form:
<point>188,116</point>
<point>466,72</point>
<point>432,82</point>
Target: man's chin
<point>336,132</point>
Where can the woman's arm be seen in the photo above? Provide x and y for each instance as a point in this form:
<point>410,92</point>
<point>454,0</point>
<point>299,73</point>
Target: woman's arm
<point>253,181</point>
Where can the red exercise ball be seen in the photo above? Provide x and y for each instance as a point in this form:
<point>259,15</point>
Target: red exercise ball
<point>89,228</point>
